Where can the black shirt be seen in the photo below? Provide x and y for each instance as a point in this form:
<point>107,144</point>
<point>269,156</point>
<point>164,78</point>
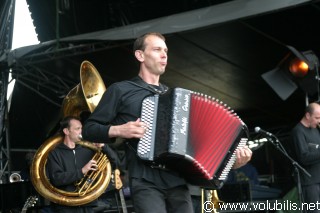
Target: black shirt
<point>64,168</point>
<point>305,141</point>
<point>121,103</point>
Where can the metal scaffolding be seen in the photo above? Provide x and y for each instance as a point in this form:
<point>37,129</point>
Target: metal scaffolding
<point>28,69</point>
<point>6,31</point>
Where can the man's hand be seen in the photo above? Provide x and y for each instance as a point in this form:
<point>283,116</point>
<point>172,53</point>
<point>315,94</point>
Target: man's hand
<point>132,129</point>
<point>99,145</point>
<point>91,165</point>
<point>244,155</point>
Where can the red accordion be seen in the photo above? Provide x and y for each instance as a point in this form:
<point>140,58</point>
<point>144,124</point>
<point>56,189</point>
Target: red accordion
<point>193,134</point>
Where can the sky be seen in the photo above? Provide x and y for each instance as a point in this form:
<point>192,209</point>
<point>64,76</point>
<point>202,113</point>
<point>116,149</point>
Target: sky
<point>23,32</point>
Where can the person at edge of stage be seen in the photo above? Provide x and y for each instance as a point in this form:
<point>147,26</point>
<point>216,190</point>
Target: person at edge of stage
<point>305,139</point>
<point>153,189</point>
<point>69,162</point>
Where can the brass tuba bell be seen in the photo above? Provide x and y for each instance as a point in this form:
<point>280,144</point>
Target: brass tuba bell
<point>87,94</point>
<point>84,97</point>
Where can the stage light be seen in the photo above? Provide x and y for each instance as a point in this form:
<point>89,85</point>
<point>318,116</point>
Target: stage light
<point>295,70</point>
<point>298,68</point>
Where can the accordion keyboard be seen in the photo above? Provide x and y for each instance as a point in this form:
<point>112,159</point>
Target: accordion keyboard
<point>224,174</point>
<point>145,147</point>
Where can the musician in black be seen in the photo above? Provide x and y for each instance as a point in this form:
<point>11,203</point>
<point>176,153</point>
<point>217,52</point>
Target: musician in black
<point>69,162</point>
<point>153,189</point>
<point>305,138</point>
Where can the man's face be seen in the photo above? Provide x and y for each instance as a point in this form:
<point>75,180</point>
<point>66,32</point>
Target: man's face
<point>154,57</point>
<point>74,131</point>
<point>314,118</point>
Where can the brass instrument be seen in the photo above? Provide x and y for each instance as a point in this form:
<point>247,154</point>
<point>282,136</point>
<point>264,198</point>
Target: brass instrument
<point>87,94</point>
<point>212,196</point>
<point>85,184</point>
<point>84,97</point>
<point>215,199</point>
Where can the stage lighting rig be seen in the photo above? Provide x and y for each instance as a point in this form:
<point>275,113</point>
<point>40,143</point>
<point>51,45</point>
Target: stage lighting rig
<point>295,70</point>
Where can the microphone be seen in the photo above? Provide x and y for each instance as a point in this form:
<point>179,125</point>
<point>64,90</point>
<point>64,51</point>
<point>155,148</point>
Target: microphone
<point>259,130</point>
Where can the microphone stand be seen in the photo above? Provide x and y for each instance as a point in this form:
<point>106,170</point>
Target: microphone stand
<point>275,141</point>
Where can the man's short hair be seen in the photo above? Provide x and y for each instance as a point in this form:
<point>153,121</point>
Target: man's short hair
<point>65,122</point>
<point>139,43</point>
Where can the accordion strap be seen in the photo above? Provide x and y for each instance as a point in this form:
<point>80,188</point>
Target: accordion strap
<point>137,81</point>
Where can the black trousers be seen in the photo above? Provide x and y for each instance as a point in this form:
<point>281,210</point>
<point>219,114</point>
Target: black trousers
<point>311,196</point>
<point>149,198</point>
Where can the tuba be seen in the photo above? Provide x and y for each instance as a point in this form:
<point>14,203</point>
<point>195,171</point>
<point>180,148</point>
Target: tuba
<point>84,97</point>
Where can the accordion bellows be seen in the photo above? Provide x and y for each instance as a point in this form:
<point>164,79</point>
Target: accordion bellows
<point>193,134</point>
